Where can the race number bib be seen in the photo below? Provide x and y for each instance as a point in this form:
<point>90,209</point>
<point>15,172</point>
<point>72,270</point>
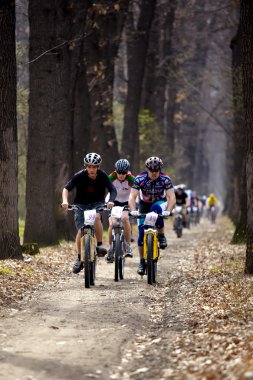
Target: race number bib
<point>89,217</point>
<point>151,218</point>
<point>117,211</point>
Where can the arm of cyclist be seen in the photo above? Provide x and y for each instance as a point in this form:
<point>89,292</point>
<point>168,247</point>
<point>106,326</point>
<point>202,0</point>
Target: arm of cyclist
<point>113,193</point>
<point>132,199</point>
<point>171,199</point>
<point>65,195</point>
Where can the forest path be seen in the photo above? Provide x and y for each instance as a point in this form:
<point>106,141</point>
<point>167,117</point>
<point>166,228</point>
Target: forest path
<point>69,332</point>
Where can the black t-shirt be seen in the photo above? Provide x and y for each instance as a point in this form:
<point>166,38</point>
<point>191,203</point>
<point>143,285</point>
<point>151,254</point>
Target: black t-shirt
<point>91,190</point>
<point>181,198</point>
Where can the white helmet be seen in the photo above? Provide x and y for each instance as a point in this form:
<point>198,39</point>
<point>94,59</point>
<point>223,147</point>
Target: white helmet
<point>92,159</point>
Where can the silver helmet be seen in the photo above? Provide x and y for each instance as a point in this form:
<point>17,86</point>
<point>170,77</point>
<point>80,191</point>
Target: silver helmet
<point>122,166</point>
<point>92,159</point>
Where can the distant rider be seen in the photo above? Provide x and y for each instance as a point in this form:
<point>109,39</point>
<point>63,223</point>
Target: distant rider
<point>182,200</point>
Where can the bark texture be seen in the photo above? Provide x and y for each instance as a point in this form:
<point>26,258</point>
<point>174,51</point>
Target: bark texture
<point>9,236</point>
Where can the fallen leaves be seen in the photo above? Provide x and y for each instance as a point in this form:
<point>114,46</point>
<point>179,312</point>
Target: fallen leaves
<point>19,280</point>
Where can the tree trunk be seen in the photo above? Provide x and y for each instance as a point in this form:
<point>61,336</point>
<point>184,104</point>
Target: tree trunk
<point>157,78</point>
<point>80,102</point>
<point>105,24</point>
<point>137,42</point>
<point>40,226</point>
<point>63,144</point>
<point>237,208</point>
<point>247,48</point>
<point>9,237</point>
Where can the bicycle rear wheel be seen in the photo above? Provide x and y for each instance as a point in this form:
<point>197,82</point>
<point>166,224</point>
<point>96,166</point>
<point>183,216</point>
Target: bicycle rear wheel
<point>150,262</point>
<point>87,266</point>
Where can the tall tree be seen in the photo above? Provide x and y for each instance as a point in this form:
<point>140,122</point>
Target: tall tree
<point>246,17</point>
<point>9,237</point>
<point>237,202</point>
<point>157,79</point>
<point>138,26</point>
<point>40,225</point>
<point>104,26</point>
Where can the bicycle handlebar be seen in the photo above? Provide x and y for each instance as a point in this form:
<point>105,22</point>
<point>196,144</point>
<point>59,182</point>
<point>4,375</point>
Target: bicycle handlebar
<point>143,215</point>
<point>77,207</point>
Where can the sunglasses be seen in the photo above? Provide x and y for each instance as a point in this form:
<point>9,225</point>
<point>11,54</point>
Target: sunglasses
<point>121,172</point>
<point>154,170</point>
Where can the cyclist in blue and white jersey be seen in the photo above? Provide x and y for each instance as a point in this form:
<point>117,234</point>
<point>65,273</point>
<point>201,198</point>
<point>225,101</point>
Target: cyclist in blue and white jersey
<point>156,193</point>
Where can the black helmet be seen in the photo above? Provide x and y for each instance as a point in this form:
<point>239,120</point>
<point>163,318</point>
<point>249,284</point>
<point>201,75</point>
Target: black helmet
<point>92,159</point>
<point>154,163</point>
<point>122,166</point>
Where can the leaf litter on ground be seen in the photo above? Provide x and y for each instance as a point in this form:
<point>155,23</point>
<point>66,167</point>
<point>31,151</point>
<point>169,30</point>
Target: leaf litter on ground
<point>21,280</point>
<point>202,316</point>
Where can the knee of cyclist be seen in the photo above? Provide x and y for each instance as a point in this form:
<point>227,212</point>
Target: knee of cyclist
<point>156,208</point>
<point>160,223</point>
<point>98,217</point>
<point>125,219</point>
<point>111,222</point>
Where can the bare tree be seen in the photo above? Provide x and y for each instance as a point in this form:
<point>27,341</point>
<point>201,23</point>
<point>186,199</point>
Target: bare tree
<point>40,225</point>
<point>237,202</point>
<point>9,237</point>
<point>104,26</point>
<point>246,17</point>
<point>139,22</point>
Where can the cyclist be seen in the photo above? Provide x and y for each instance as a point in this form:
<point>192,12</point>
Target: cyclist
<point>211,202</point>
<point>156,193</point>
<point>90,184</point>
<point>182,200</point>
<point>123,180</point>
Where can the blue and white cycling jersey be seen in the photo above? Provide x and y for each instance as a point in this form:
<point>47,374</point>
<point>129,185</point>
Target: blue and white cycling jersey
<point>152,190</point>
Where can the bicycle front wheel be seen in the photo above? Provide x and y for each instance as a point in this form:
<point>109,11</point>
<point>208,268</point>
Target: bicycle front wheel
<point>150,262</point>
<point>87,263</point>
<point>121,262</point>
<point>117,255</point>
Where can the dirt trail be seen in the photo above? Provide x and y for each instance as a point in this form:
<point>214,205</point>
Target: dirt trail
<point>69,332</point>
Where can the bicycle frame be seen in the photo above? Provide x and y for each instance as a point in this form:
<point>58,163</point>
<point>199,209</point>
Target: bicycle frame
<point>151,249</point>
<point>118,240</point>
<point>88,250</point>
<point>178,221</point>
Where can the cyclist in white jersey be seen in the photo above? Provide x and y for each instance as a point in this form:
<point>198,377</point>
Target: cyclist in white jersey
<point>122,179</point>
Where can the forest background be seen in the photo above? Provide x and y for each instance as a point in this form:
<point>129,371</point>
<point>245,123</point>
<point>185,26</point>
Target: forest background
<point>125,78</point>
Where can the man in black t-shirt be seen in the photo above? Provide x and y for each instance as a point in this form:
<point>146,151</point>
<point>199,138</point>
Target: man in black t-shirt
<point>90,185</point>
<point>182,200</point>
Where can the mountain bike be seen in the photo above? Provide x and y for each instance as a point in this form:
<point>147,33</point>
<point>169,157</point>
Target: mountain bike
<point>118,242</point>
<point>88,246</point>
<point>212,214</point>
<point>151,248</point>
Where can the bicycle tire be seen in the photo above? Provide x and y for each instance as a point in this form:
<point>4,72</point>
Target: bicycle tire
<point>93,272</point>
<point>179,232</point>
<point>154,271</point>
<point>122,263</point>
<point>93,263</point>
<point>117,255</point>
<point>87,266</point>
<point>150,262</point>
